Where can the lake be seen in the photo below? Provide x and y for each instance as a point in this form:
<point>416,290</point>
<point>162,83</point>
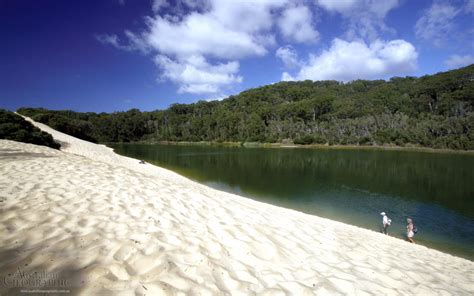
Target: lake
<point>348,185</point>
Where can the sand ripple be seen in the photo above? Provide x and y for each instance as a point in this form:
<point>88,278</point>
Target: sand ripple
<point>114,227</point>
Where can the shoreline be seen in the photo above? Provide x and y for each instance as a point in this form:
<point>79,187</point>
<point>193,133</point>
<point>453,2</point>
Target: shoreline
<point>113,225</point>
<point>461,253</point>
<point>298,146</point>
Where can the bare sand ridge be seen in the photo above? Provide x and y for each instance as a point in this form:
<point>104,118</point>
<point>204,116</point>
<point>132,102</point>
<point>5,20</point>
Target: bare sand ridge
<point>108,225</point>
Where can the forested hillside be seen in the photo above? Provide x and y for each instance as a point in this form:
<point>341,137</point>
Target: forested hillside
<point>430,111</point>
<point>16,128</point>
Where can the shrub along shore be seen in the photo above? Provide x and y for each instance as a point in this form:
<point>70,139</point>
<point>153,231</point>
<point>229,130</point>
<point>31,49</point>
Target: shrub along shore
<point>408,147</point>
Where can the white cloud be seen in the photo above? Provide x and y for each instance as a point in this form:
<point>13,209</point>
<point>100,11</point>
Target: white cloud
<point>197,44</point>
<point>436,23</point>
<point>180,7</point>
<point>247,16</point>
<point>345,61</point>
<point>349,7</point>
<point>295,24</point>
<point>338,5</point>
<point>158,4</point>
<point>381,8</point>
<point>217,33</point>
<point>457,61</point>
<point>135,43</point>
<point>218,97</point>
<point>227,30</point>
<point>365,17</point>
<point>203,35</point>
<point>114,41</point>
<point>287,77</point>
<point>196,75</point>
<point>288,55</point>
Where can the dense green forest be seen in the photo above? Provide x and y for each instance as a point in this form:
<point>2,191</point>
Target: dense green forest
<point>430,111</point>
<point>16,128</point>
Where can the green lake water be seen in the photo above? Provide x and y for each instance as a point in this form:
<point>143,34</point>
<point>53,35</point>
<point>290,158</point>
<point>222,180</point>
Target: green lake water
<point>351,186</point>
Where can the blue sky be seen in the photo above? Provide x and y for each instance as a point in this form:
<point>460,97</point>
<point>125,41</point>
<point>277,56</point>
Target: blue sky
<point>114,55</point>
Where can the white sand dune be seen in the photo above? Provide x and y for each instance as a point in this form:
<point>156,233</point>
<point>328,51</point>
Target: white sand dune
<point>103,224</point>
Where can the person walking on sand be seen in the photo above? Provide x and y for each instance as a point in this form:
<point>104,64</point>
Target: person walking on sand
<point>385,222</point>
<point>410,230</point>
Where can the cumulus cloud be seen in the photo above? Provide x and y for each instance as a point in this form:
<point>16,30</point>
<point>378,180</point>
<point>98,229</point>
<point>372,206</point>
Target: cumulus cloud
<point>247,16</point>
<point>203,35</point>
<point>365,17</point>
<point>458,61</point>
<point>436,23</point>
<point>227,30</point>
<point>295,24</point>
<point>197,44</point>
<point>217,33</point>
<point>345,61</point>
<point>288,55</point>
<point>196,75</point>
<point>186,44</point>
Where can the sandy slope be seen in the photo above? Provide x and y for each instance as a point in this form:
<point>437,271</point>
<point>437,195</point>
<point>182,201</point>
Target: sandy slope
<point>103,224</point>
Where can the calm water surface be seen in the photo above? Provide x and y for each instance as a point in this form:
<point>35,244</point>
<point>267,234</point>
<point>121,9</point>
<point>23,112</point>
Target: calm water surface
<point>351,186</point>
